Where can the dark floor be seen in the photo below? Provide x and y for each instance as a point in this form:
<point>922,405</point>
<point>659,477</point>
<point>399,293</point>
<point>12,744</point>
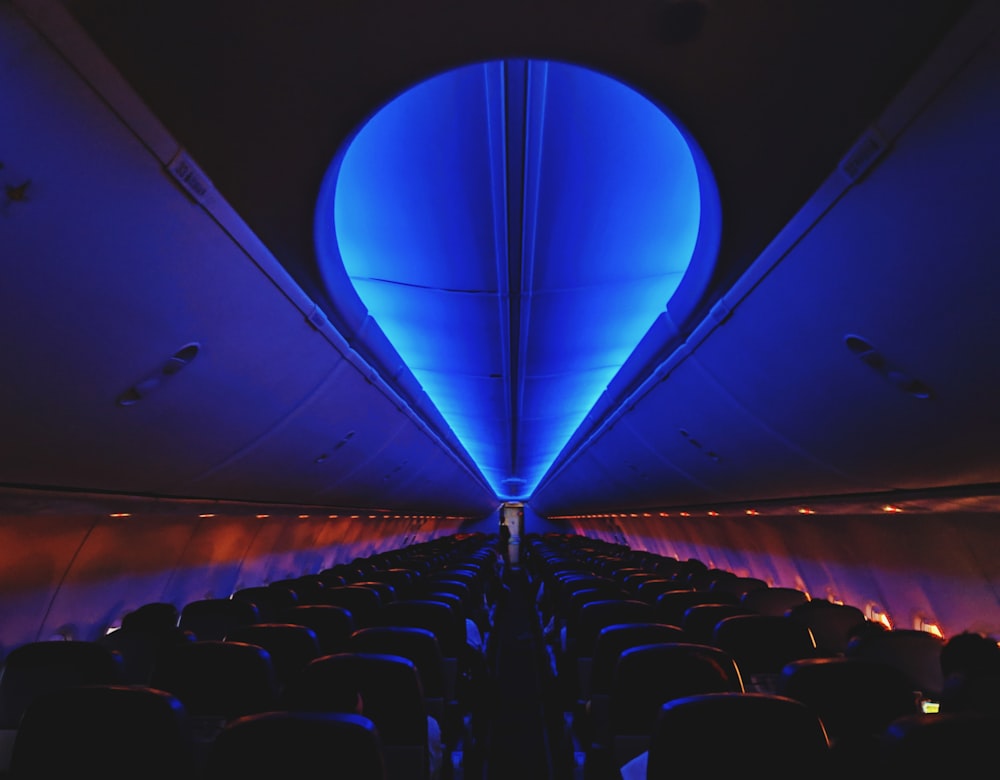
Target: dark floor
<point>519,743</point>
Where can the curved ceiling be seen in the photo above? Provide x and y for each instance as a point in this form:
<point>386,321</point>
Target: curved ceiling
<point>263,95</point>
<point>515,227</point>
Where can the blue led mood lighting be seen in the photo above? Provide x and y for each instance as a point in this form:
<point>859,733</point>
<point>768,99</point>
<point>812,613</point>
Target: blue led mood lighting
<point>515,228</point>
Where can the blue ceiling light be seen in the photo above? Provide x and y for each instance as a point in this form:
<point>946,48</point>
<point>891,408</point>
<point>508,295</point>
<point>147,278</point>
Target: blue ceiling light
<point>515,228</point>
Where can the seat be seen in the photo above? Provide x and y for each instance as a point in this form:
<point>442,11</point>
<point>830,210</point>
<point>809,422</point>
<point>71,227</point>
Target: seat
<point>144,633</point>
<point>915,653</point>
<point>728,734</point>
<point>216,681</point>
<point>671,605</point>
<point>832,624</point>
<point>421,647</point>
<point>738,585</point>
<point>38,667</point>
<point>386,590</point>
<point>648,590</point>
<point>391,696</point>
<point>708,578</point>
<point>590,714</point>
<point>614,639</point>
<point>332,625</point>
<point>152,616</point>
<point>774,600</point>
<point>699,621</point>
<point>400,578</point>
<point>212,619</point>
<point>280,744</point>
<point>117,732</point>
<point>945,744</point>
<point>139,646</point>
<point>41,667</point>
<point>590,619</point>
<point>856,700</point>
<point>270,600</point>
<point>290,646</point>
<point>305,586</point>
<point>762,645</point>
<point>364,603</point>
<point>646,676</point>
<point>436,616</point>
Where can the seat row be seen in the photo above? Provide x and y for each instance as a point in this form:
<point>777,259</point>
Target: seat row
<point>632,638</point>
<point>220,683</point>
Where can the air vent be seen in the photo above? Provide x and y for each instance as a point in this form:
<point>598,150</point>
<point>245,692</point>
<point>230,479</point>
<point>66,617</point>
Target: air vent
<point>710,454</point>
<point>876,361</point>
<point>148,384</point>
<point>189,176</point>
<point>863,155</point>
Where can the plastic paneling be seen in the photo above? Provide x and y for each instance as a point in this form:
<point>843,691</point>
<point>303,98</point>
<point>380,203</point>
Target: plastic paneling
<point>906,261</point>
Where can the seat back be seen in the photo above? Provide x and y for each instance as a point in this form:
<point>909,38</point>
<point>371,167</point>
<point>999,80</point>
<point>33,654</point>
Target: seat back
<point>613,640</point>
<point>364,603</point>
<point>152,616</point>
<point>270,600</point>
<point>279,744</point>
<point>305,586</point>
<point>700,620</point>
<point>737,735</point>
<point>917,654</point>
<point>832,624</point>
<point>290,646</point>
<point>738,585</point>
<point>139,648</point>
<point>646,676</point>
<point>671,605</point>
<point>650,589</point>
<point>391,696</point>
<point>110,731</point>
<point>417,644</point>
<point>856,700</point>
<point>212,619</point>
<point>595,615</point>
<point>945,744</point>
<point>35,668</point>
<point>435,616</point>
<point>774,600</point>
<point>39,667</point>
<point>762,645</point>
<point>217,681</point>
<point>332,625</point>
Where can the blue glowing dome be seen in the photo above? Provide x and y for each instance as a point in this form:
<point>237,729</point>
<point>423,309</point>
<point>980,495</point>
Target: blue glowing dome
<point>515,228</point>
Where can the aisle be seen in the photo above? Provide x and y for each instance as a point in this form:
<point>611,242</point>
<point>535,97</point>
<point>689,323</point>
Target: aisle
<point>518,745</point>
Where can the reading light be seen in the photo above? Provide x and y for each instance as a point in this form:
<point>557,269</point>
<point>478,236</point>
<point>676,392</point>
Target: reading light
<point>876,614</point>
